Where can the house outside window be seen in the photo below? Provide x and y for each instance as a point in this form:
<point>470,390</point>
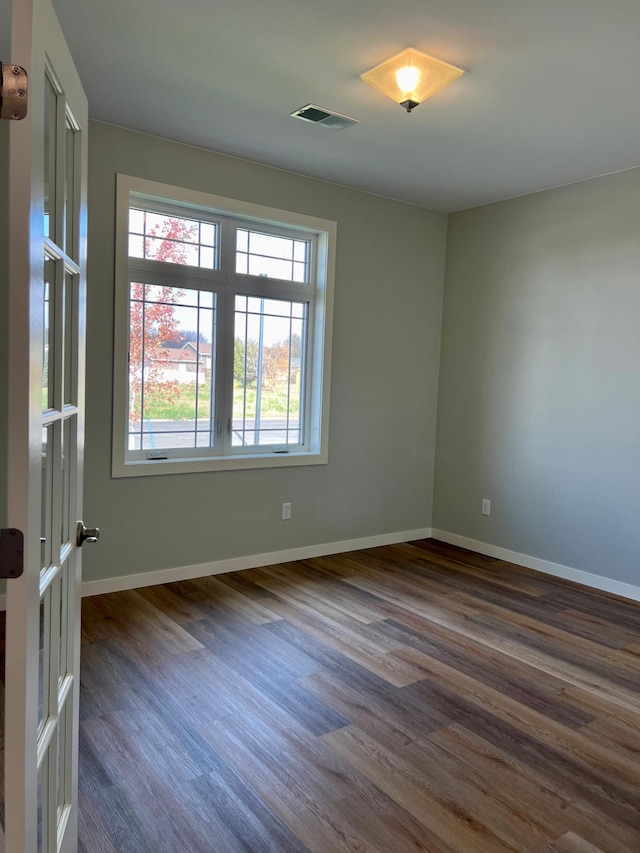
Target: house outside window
<point>223,333</point>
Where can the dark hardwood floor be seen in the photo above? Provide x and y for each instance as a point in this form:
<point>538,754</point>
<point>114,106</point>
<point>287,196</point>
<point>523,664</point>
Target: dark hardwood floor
<point>407,698</point>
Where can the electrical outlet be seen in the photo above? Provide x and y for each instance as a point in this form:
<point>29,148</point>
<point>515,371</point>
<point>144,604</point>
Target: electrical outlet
<point>486,506</point>
<point>286,511</point>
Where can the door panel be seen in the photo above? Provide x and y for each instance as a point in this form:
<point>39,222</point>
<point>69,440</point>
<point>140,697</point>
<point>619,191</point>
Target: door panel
<point>47,236</point>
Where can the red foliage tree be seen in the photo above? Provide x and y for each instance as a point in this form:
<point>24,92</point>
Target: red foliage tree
<point>153,325</point>
<point>170,242</point>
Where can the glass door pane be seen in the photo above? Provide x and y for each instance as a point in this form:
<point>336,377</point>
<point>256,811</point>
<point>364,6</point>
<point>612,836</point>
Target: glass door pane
<point>46,539</point>
<point>70,337</point>
<point>48,327</point>
<point>44,680</point>
<point>70,206</point>
<point>50,158</point>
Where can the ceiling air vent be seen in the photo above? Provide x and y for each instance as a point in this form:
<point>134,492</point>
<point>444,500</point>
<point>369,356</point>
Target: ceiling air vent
<point>324,117</point>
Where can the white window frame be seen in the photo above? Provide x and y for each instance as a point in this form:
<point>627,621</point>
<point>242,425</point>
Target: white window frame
<point>186,202</point>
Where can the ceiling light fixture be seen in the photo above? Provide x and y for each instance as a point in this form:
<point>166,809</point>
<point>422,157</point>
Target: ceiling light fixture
<point>411,77</point>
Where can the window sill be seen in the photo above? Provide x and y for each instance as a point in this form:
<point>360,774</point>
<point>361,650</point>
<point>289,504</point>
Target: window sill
<point>154,467</point>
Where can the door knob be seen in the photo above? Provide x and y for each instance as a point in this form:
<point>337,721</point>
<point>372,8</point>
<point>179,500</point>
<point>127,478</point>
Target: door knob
<point>86,534</point>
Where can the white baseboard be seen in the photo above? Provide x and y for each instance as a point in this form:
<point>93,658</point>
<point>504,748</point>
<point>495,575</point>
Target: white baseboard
<point>626,590</point>
<point>253,561</point>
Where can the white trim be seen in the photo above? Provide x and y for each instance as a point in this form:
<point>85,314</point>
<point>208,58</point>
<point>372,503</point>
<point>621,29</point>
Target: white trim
<point>317,293</point>
<point>626,590</point>
<point>251,561</point>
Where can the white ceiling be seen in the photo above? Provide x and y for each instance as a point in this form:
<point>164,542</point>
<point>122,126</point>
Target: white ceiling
<point>550,96</point>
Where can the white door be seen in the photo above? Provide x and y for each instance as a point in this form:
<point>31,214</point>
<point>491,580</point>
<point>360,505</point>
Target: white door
<point>47,238</point>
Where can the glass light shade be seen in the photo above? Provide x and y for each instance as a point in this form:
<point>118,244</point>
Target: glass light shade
<point>411,77</point>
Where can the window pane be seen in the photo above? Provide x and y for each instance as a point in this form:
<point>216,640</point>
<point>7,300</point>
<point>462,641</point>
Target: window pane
<point>136,246</point>
<point>269,346</point>
<point>271,256</point>
<point>242,240</point>
<point>172,227</point>
<point>271,246</point>
<point>207,259</point>
<point>136,221</point>
<point>171,367</point>
<point>276,307</point>
<point>242,263</point>
<point>172,239</point>
<point>171,251</point>
<point>270,267</point>
<point>207,234</point>
<point>186,297</point>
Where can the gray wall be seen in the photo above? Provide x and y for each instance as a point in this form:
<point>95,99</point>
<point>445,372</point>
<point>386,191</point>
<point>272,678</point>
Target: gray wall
<point>386,343</point>
<point>539,404</point>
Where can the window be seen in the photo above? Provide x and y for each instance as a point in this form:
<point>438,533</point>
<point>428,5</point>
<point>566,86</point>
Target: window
<point>223,324</point>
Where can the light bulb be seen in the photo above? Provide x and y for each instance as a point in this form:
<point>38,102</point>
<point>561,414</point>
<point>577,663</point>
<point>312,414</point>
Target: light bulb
<point>407,78</point>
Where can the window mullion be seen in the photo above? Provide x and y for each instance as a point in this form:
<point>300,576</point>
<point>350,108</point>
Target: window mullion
<point>224,390</point>
<point>228,248</point>
<point>224,372</point>
<point>203,279</point>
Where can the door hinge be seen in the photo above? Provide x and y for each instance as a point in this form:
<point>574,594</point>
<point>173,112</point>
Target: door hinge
<point>13,91</point>
<point>11,552</point>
